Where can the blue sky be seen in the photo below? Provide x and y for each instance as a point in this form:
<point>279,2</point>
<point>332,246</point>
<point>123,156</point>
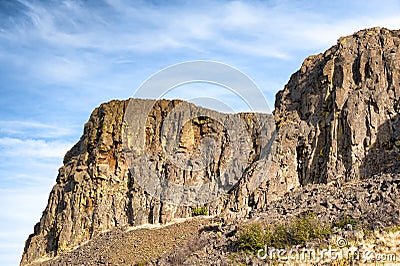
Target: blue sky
<point>61,59</point>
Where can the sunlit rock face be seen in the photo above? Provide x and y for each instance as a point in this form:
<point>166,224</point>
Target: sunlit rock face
<point>143,161</point>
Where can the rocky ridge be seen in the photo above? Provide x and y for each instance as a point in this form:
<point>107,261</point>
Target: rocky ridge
<point>336,122</point>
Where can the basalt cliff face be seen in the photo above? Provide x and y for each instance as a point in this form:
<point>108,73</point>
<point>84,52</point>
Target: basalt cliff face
<point>102,184</point>
<point>337,120</point>
<point>338,115</point>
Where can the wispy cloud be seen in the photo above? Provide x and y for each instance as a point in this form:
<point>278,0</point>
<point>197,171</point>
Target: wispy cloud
<point>75,32</point>
<point>33,129</point>
<point>27,171</point>
<point>255,27</point>
<point>21,209</point>
<point>33,148</point>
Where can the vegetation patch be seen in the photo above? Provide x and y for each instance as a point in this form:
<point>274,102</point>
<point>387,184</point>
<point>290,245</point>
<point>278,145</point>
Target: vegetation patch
<point>305,228</point>
<point>200,211</point>
<point>345,221</point>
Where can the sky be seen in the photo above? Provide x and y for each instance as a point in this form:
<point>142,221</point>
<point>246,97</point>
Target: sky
<point>61,59</point>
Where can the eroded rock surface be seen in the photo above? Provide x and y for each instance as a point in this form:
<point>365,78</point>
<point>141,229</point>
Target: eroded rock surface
<point>103,183</point>
<point>338,115</point>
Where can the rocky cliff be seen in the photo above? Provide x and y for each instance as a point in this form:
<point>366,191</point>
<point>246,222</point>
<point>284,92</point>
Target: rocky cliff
<point>129,170</point>
<point>338,115</point>
<point>336,120</point>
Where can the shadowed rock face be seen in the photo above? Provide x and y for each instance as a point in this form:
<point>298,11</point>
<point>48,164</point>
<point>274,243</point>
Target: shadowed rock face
<point>341,107</point>
<point>336,120</point>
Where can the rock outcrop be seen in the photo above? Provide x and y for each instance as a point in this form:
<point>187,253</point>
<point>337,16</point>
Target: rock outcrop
<point>338,115</point>
<point>336,120</point>
<point>102,184</point>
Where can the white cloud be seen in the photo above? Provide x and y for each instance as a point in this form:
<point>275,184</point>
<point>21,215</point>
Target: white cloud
<point>33,148</point>
<point>78,42</point>
<point>33,129</point>
<point>21,210</point>
<point>277,30</point>
<point>62,69</point>
<point>27,173</point>
<point>82,26</point>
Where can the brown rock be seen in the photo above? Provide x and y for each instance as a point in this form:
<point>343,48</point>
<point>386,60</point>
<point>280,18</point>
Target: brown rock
<point>337,117</point>
<point>96,192</point>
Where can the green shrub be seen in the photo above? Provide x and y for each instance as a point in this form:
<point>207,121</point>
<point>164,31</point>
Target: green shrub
<point>251,237</point>
<point>301,230</point>
<point>308,227</point>
<point>342,262</point>
<point>277,235</point>
<point>344,221</point>
<point>200,211</point>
